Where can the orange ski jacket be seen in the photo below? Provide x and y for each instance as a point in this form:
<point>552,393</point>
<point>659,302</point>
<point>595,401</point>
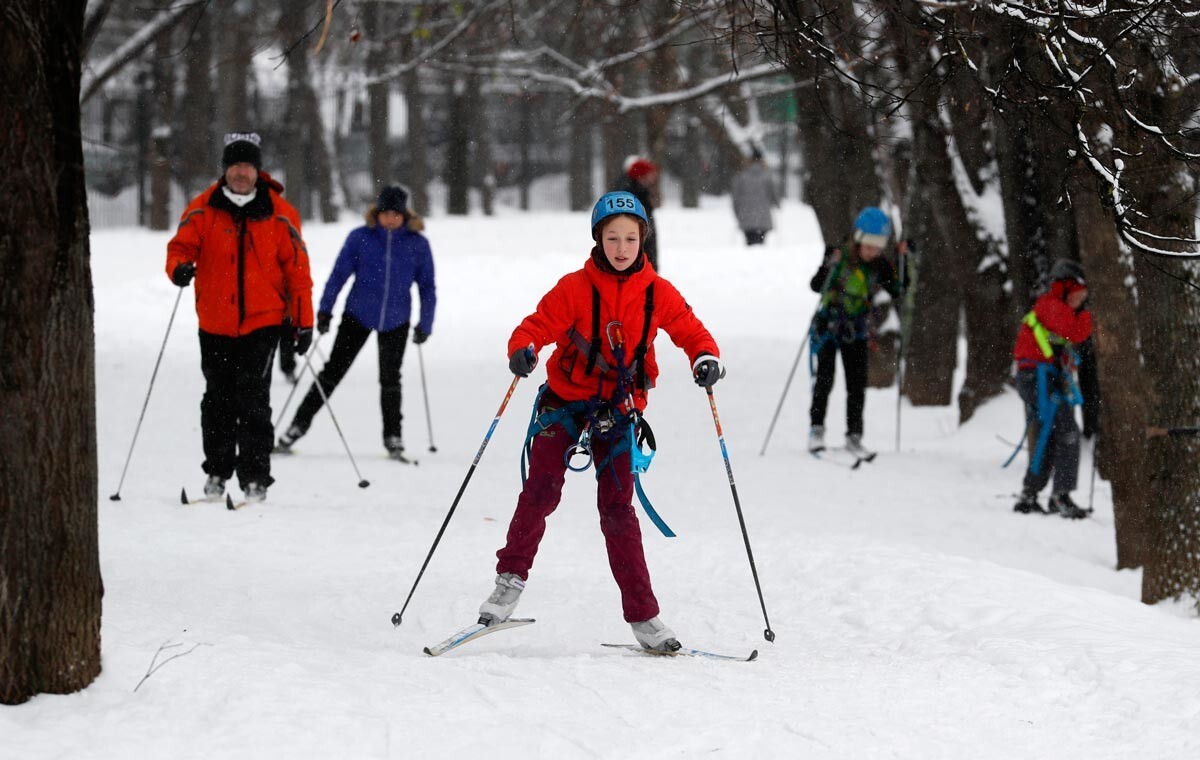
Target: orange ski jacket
<point>566,312</point>
<point>251,263</point>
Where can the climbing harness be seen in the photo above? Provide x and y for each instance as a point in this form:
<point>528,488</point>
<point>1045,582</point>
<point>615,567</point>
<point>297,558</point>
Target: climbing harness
<point>615,419</point>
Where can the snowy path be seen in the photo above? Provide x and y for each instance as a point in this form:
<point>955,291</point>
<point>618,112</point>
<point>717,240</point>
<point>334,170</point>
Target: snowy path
<point>916,615</point>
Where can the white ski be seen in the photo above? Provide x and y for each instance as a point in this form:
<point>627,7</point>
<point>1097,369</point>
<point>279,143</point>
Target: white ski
<point>472,632</point>
<point>686,652</point>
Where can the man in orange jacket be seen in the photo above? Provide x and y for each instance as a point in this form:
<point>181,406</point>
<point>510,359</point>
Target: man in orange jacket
<point>241,241</point>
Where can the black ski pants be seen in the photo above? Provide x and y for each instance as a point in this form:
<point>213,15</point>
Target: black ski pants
<point>235,413</point>
<point>1062,450</point>
<point>351,337</point>
<point>854,362</point>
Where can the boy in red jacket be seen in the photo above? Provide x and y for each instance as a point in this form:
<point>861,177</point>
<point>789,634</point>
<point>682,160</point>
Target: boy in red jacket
<point>602,320</point>
<point>1044,367</point>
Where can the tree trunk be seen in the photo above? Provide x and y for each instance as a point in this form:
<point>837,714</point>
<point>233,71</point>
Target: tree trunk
<point>234,51</point>
<point>322,163</point>
<point>197,156</point>
<point>298,137</point>
<point>418,167</point>
<point>1169,321</point>
<point>50,585</point>
<point>1169,314</point>
<point>935,211</point>
<point>524,146</point>
<point>458,148</point>
<point>839,172</point>
<point>161,133</point>
<point>378,152</point>
<point>617,143</point>
<point>579,159</point>
<point>484,170</point>
<point>1125,410</point>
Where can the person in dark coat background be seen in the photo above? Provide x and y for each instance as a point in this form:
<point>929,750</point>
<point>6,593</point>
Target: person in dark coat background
<point>386,257</point>
<point>641,179</point>
<point>754,196</point>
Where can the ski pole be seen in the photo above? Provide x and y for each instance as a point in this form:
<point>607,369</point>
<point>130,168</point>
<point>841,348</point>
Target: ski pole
<point>902,260</point>
<point>398,617</point>
<point>1095,454</point>
<point>786,387</point>
<point>425,393</point>
<point>296,385</point>
<point>117,496</point>
<point>362,482</point>
<point>834,271</point>
<point>768,634</point>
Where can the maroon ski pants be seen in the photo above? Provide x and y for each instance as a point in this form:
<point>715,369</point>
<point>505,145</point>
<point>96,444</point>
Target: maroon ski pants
<point>618,522</point>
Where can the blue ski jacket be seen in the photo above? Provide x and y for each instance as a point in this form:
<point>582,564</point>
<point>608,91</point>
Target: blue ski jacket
<point>385,266</point>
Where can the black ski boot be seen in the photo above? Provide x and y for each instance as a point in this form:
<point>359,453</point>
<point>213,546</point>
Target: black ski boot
<point>1027,503</point>
<point>290,436</point>
<point>1065,507</point>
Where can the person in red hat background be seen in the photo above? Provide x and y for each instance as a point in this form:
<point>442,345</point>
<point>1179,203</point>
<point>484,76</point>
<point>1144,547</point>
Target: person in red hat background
<point>641,179</point>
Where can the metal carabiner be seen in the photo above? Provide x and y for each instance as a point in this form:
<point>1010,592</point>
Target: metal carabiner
<point>582,447</point>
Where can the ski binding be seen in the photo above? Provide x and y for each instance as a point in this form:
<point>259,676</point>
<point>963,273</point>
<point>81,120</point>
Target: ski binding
<point>472,632</point>
<point>686,652</point>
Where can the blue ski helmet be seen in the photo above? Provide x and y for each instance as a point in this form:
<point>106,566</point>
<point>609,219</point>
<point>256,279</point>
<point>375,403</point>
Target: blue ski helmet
<point>618,202</point>
<point>871,221</point>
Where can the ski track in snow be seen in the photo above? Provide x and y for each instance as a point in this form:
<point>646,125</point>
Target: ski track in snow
<point>916,615</point>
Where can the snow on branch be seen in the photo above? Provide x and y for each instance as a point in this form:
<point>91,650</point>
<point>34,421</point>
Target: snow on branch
<point>98,73</point>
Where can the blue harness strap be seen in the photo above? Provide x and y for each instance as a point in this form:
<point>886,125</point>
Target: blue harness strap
<point>1048,401</point>
<point>628,436</point>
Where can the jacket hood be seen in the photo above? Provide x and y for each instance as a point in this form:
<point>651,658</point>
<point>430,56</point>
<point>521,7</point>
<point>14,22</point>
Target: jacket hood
<point>412,220</point>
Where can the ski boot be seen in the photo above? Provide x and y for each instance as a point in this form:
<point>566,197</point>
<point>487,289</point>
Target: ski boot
<point>214,488</point>
<point>816,439</point>
<point>855,447</point>
<point>254,492</point>
<point>1065,507</point>
<point>395,447</point>
<point>503,601</point>
<point>653,634</point>
<point>1027,503</point>
<point>290,436</point>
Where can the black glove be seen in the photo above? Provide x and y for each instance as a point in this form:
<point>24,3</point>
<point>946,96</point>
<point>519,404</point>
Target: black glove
<point>1091,426</point>
<point>303,340</point>
<point>323,320</point>
<point>707,370</point>
<point>522,362</point>
<point>420,336</point>
<point>183,274</point>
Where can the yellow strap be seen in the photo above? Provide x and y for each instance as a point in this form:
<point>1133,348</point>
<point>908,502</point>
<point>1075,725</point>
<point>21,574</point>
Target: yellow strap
<point>1042,335</point>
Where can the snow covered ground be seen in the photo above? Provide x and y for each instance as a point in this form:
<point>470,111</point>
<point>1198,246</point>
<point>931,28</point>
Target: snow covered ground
<point>916,615</point>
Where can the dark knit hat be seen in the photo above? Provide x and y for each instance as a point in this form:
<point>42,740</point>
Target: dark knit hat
<point>393,198</point>
<point>242,147</point>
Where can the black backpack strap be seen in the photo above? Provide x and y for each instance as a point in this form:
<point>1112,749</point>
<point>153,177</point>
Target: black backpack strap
<point>639,354</point>
<point>594,348</point>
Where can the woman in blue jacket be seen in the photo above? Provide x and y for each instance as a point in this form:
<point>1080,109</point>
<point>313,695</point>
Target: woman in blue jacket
<point>385,257</point>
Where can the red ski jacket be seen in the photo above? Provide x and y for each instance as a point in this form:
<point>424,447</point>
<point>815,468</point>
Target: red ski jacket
<point>566,311</point>
<point>1052,312</point>
<point>251,263</point>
